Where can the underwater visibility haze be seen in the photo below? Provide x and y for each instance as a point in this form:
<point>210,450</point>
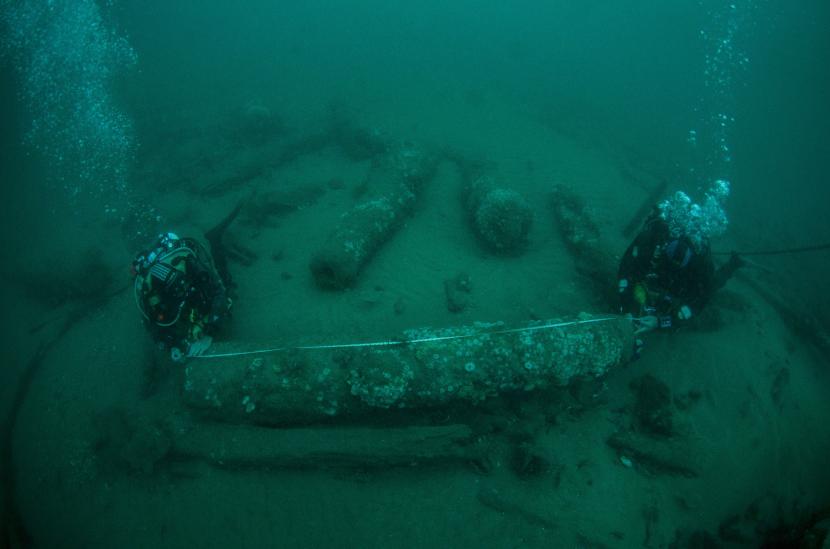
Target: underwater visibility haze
<point>430,274</point>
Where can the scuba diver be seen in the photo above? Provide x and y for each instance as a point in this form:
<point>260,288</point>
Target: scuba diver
<point>181,288</point>
<point>180,295</point>
<point>667,274</point>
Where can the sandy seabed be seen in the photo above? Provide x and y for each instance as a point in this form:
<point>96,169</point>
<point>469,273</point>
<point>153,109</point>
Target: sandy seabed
<point>754,435</point>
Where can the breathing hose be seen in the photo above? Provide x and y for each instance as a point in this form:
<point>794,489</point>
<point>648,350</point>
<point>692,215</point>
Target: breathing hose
<point>815,248</point>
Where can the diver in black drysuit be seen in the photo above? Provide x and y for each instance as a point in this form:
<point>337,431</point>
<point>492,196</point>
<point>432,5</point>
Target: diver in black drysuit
<point>667,278</point>
<point>181,288</point>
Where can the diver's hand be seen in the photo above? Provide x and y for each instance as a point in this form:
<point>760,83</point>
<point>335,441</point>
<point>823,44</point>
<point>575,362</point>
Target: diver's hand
<point>220,308</point>
<point>645,324</point>
<point>199,346</point>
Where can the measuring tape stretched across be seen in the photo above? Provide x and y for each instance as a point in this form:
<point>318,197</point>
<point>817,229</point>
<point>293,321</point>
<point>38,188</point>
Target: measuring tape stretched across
<point>396,343</point>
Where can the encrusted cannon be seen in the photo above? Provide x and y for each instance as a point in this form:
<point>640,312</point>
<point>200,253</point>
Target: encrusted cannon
<point>500,217</point>
<point>426,368</point>
<point>395,180</point>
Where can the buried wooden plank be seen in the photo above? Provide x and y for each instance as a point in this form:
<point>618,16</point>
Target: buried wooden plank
<point>249,447</point>
<point>672,456</point>
<point>493,499</point>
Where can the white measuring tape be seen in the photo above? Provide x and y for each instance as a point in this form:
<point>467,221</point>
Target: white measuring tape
<point>396,343</point>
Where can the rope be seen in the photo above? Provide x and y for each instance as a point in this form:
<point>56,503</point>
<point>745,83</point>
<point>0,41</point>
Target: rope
<point>802,249</point>
<point>402,342</point>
